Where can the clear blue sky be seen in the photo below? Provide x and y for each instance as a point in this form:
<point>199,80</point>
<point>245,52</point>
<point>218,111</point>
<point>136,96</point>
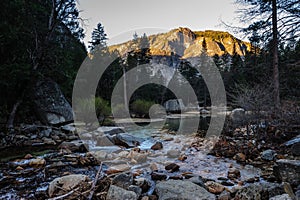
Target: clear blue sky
<point>119,16</point>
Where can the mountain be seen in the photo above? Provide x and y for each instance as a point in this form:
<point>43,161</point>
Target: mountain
<point>187,43</point>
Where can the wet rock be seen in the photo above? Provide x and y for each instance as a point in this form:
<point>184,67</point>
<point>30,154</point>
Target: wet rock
<point>295,149</point>
<point>214,187</point>
<point>157,146</point>
<point>118,193</point>
<point>49,141</point>
<point>233,173</point>
<point>268,155</point>
<point>158,176</point>
<point>123,180</point>
<point>288,171</point>
<point>173,167</point>
<point>127,140</point>
<point>281,197</point>
<point>28,156</point>
<point>197,180</point>
<point>225,195</point>
<point>68,128</point>
<point>176,189</point>
<point>182,157</point>
<point>118,168</point>
<point>74,146</point>
<point>237,116</point>
<point>100,155</point>
<point>293,141</point>
<point>45,133</point>
<point>135,189</point>
<point>153,167</point>
<point>240,157</point>
<point>104,141</point>
<point>38,162</point>
<point>173,153</point>
<point>259,191</point>
<point>67,183</point>
<point>110,130</point>
<point>150,197</point>
<point>19,168</point>
<point>137,157</point>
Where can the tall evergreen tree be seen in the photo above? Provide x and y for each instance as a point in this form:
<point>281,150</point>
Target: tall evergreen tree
<point>99,38</point>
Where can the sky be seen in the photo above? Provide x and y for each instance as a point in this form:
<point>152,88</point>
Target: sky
<point>121,18</point>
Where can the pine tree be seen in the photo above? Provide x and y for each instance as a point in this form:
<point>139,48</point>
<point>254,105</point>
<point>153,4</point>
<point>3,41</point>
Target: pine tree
<point>99,38</point>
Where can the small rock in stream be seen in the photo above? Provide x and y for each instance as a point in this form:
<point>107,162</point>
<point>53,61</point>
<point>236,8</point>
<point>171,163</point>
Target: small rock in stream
<point>173,167</point>
<point>157,146</point>
<point>268,155</point>
<point>118,193</point>
<point>214,187</point>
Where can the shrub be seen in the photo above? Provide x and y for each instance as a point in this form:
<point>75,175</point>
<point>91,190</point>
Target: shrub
<point>87,107</point>
<point>141,107</point>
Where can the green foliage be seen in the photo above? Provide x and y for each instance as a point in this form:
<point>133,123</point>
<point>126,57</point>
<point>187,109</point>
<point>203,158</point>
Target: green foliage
<point>87,107</point>
<point>141,107</point>
<point>99,38</point>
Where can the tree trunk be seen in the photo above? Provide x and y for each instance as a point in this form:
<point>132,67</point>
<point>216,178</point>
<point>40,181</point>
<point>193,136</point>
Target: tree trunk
<point>275,54</point>
<point>10,121</point>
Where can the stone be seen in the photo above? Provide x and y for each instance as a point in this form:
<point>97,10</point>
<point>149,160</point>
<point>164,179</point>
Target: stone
<point>68,128</point>
<point>49,141</point>
<point>137,157</point>
<point>103,141</point>
<point>118,168</point>
<point>135,189</point>
<point>126,140</point>
<point>46,133</point>
<point>268,155</point>
<point>214,187</point>
<point>174,105</point>
<point>288,171</point>
<point>50,104</point>
<point>37,162</point>
<point>110,130</point>
<point>173,153</point>
<point>157,146</point>
<point>100,155</point>
<point>73,146</point>
<point>295,149</point>
<point>173,167</point>
<point>197,180</point>
<point>67,183</point>
<point>118,193</point>
<point>240,157</point>
<point>225,195</point>
<point>233,173</point>
<point>158,176</point>
<point>237,116</point>
<point>281,197</point>
<point>293,141</point>
<point>177,189</point>
<point>153,167</point>
<point>123,180</point>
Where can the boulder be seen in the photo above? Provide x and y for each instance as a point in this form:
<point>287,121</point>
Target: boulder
<point>126,140</point>
<point>110,130</point>
<point>174,105</point>
<point>185,190</point>
<point>67,183</point>
<point>214,187</point>
<point>295,149</point>
<point>268,155</point>
<point>237,116</point>
<point>118,193</point>
<point>281,197</point>
<point>103,141</point>
<point>50,104</point>
<point>288,171</point>
<point>173,153</point>
<point>123,180</point>
<point>74,146</point>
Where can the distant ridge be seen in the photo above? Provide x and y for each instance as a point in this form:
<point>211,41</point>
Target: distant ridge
<point>187,43</point>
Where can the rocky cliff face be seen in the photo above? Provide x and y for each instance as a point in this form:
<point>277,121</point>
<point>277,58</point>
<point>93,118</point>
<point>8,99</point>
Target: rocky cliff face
<point>187,43</point>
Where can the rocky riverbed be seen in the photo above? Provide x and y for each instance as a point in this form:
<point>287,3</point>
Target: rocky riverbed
<point>152,165</point>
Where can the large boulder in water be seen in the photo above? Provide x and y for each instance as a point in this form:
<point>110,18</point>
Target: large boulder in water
<point>50,103</point>
<point>174,105</point>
